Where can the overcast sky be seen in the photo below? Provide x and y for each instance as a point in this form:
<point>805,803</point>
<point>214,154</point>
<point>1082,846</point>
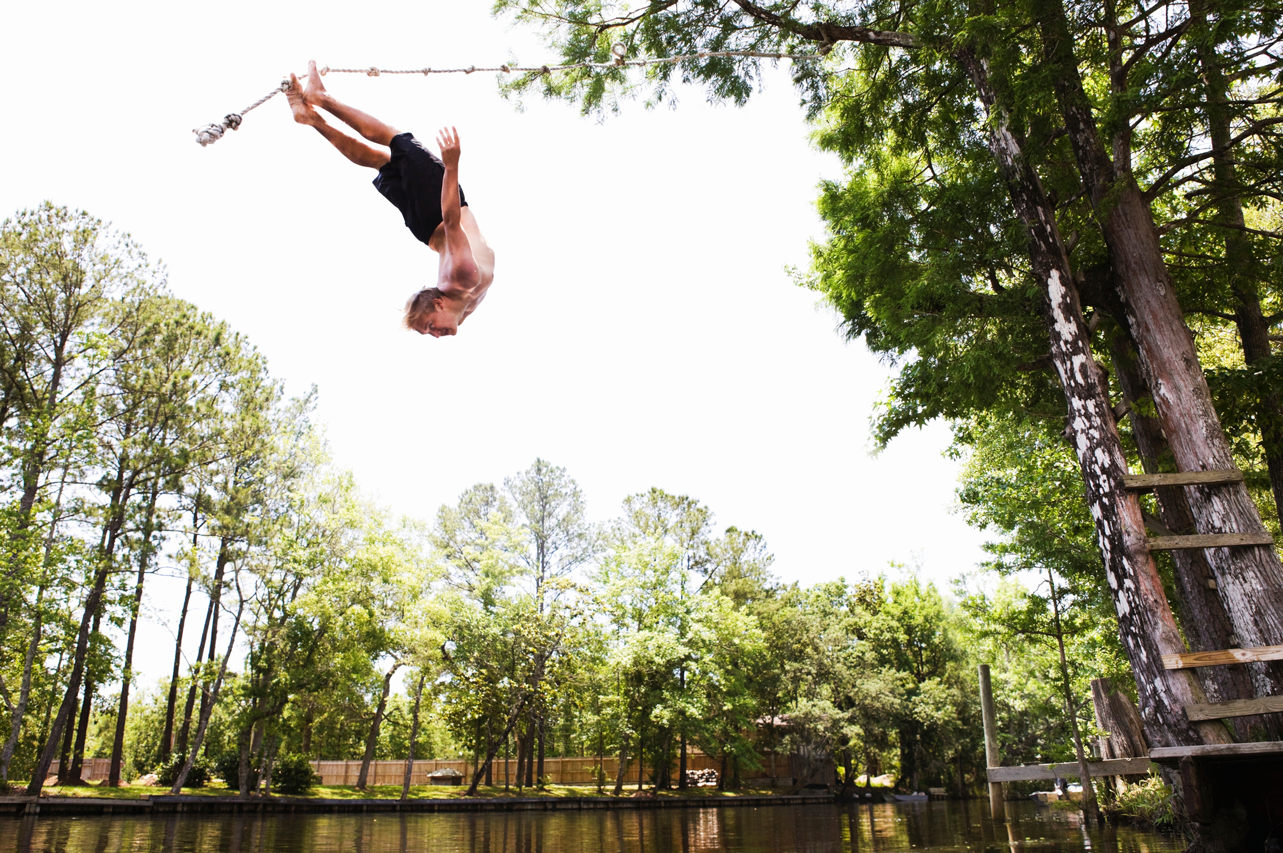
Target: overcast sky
<point>642,329</point>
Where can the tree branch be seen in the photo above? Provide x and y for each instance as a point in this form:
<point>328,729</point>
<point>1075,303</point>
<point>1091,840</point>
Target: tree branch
<point>828,34</point>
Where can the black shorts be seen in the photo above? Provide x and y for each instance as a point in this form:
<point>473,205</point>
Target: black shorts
<point>412,181</point>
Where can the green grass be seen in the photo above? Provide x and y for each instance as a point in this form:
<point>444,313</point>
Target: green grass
<point>1148,803</point>
<point>383,792</point>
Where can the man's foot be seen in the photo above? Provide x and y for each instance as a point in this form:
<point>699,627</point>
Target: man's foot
<point>303,111</point>
<point>315,94</point>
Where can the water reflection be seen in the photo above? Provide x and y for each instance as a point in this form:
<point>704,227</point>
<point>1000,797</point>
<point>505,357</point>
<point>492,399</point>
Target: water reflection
<point>804,829</point>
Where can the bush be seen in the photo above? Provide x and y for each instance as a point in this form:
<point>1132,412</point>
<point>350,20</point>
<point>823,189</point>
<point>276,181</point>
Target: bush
<point>1148,802</point>
<point>228,768</point>
<point>196,777</point>
<point>293,774</point>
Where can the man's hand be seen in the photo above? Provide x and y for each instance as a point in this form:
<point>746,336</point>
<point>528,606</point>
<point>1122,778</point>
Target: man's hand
<point>448,140</point>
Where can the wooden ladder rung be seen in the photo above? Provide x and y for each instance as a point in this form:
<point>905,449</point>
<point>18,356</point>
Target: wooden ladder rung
<point>1235,708</point>
<point>1146,482</point>
<point>1186,660</point>
<point>1208,540</point>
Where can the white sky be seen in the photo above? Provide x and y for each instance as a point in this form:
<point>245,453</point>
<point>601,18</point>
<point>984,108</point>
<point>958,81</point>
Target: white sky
<point>642,330</point>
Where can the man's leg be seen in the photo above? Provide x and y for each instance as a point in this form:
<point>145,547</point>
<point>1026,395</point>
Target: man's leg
<point>353,149</point>
<point>363,123</point>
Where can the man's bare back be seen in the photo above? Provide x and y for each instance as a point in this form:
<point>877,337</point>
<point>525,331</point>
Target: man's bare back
<point>408,177</point>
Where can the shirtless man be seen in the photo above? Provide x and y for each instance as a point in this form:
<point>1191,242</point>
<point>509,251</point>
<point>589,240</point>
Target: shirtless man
<point>425,189</point>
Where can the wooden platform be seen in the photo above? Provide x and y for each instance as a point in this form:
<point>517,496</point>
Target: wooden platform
<point>1173,754</point>
<point>1146,482</point>
<point>1108,767</point>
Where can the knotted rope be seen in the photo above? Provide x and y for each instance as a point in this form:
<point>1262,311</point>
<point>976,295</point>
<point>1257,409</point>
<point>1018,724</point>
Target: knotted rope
<point>211,133</point>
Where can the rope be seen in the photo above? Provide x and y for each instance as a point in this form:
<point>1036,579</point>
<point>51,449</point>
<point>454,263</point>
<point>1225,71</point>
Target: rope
<point>211,133</point>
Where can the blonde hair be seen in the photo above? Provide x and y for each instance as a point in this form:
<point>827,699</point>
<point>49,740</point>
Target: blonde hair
<point>420,305</point>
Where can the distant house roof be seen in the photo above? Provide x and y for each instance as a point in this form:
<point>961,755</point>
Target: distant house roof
<point>444,772</point>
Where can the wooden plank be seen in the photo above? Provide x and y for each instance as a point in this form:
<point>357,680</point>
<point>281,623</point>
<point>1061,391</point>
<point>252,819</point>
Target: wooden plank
<point>1208,540</point>
<point>1030,772</point>
<point>1188,660</point>
<point>1145,482</point>
<point>1235,708</point>
<point>1216,750</point>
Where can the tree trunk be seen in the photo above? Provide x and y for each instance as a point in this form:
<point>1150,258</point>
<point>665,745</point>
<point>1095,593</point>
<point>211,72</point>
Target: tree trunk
<point>1241,264</point>
<point>216,601</point>
<point>1249,579</point>
<point>682,785</point>
<point>539,774</point>
<point>372,739</point>
<point>1204,621</point>
<point>208,708</point>
<point>171,700</point>
<point>126,675</point>
<point>75,773</point>
<point>64,757</point>
<point>623,765</point>
<point>1145,622</point>
<point>531,736</point>
<point>414,737</point>
<point>92,602</point>
<point>521,759</point>
<point>18,712</point>
<point>180,743</point>
<point>489,748</point>
<point>1091,811</point>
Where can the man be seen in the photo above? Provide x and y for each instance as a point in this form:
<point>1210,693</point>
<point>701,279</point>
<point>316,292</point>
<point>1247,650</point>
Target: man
<point>425,189</point>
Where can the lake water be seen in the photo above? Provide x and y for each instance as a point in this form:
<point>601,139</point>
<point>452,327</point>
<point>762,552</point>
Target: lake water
<point>777,829</point>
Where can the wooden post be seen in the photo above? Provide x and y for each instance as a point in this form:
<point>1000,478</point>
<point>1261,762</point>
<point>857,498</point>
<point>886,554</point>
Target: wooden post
<point>992,759</point>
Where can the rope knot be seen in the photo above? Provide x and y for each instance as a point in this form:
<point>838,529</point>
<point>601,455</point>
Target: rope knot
<point>373,72</point>
<point>208,134</point>
<point>233,121</point>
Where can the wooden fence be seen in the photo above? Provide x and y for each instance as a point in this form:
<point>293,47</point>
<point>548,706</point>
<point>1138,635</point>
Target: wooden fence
<point>563,771</point>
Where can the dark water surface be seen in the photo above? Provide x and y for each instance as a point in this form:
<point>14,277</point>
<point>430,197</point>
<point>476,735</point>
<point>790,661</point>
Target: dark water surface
<point>791,829</point>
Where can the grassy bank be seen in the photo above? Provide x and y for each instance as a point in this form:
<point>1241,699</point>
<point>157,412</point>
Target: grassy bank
<point>391,792</point>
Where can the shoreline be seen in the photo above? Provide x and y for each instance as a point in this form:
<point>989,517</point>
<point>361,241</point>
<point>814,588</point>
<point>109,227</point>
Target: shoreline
<point>167,804</point>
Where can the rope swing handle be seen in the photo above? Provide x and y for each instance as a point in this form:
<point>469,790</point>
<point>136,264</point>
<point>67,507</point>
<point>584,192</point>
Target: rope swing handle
<point>211,133</point>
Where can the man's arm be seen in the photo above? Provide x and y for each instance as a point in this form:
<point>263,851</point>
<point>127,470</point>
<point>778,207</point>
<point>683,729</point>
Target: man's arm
<point>463,266</point>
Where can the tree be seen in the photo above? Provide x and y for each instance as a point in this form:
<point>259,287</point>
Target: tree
<point>926,62</point>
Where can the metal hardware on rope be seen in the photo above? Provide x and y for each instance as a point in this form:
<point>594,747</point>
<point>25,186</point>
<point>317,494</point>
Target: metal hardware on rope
<point>211,133</point>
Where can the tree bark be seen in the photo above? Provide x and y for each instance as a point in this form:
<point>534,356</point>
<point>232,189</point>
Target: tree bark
<point>414,737</point>
<point>180,744</point>
<point>171,700</point>
<point>1249,579</point>
<point>623,765</point>
<point>539,774</point>
<point>92,602</point>
<point>1241,263</point>
<point>1145,622</point>
<point>372,739</point>
<point>208,709</point>
<point>682,784</point>
<point>126,675</point>
<point>1204,621</point>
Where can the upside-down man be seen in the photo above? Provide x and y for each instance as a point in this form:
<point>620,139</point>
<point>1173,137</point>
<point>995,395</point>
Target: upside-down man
<point>425,189</point>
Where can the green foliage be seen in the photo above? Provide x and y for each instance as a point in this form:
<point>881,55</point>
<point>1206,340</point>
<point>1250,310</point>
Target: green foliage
<point>293,774</point>
<point>1149,802</point>
<point>228,768</point>
<point>525,623</point>
<point>196,777</point>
